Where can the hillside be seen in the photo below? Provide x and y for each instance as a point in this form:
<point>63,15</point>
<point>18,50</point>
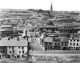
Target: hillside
<point>20,18</point>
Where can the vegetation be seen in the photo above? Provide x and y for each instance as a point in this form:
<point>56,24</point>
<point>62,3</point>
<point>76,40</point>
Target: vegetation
<point>50,23</point>
<point>20,18</point>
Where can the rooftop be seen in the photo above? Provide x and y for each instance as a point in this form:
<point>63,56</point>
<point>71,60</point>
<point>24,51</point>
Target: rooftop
<point>48,39</point>
<point>13,42</point>
<point>6,26</point>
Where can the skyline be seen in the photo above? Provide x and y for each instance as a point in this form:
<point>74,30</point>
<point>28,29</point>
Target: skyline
<point>58,5</point>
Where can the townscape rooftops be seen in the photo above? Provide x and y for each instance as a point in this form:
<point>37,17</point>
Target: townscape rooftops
<point>74,38</point>
<point>48,39</point>
<point>11,22</point>
<point>51,34</point>
<point>29,26</point>
<point>2,30</point>
<point>64,39</point>
<point>13,42</point>
<point>48,26</point>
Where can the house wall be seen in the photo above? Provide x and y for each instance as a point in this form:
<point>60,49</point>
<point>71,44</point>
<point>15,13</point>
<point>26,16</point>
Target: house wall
<point>74,43</point>
<point>48,43</point>
<point>17,52</point>
<point>3,51</point>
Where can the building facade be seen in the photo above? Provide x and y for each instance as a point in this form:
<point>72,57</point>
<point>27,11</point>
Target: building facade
<point>13,48</point>
<point>74,44</point>
<point>48,43</point>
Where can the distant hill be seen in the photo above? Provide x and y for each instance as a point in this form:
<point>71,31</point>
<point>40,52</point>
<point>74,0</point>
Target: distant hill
<point>20,17</point>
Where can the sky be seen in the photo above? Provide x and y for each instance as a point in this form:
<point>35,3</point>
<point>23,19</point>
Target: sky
<point>58,5</point>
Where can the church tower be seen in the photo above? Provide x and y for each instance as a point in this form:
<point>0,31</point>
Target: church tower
<point>51,9</point>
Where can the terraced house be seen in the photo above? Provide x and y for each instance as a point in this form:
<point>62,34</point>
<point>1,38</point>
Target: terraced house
<point>74,42</point>
<point>13,48</point>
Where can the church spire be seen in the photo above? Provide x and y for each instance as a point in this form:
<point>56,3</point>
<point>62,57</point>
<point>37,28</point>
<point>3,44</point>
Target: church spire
<point>51,9</point>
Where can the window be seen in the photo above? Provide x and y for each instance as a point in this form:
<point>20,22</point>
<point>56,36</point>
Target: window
<point>46,43</point>
<point>23,51</point>
<point>3,55</point>
<point>19,51</point>
<point>9,47</point>
<point>58,44</point>
<point>18,56</point>
<point>77,44</point>
<point>18,47</point>
<point>12,47</point>
<point>3,51</point>
<point>77,40</point>
<point>70,40</point>
<point>48,47</point>
<point>51,47</point>
<point>22,47</point>
<point>13,51</point>
<point>62,44</point>
<point>3,47</point>
<point>8,56</point>
<point>70,43</point>
<point>65,44</point>
<point>77,48</point>
<point>10,51</point>
<point>49,43</point>
<point>23,56</point>
<point>55,44</point>
<point>74,44</point>
<point>71,47</point>
<point>45,48</point>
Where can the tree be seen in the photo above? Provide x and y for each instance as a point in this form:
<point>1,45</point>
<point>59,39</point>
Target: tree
<point>50,23</point>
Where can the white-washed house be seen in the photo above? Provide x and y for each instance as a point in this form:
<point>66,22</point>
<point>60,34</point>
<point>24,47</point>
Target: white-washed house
<point>13,48</point>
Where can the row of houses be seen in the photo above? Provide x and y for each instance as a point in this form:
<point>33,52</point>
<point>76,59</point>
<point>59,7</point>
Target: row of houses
<point>18,47</point>
<point>53,42</point>
<point>13,48</point>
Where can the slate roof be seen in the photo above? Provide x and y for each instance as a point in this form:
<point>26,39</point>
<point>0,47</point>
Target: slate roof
<point>6,26</point>
<point>2,29</point>
<point>64,39</point>
<point>48,39</point>
<point>13,42</point>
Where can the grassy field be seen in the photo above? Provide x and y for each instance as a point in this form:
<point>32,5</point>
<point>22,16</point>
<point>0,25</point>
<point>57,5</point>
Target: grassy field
<point>46,59</point>
<point>14,61</point>
<point>18,61</point>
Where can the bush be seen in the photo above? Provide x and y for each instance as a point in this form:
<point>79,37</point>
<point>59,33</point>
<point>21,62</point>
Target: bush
<point>50,23</point>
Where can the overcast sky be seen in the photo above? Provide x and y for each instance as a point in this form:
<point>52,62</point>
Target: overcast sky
<point>58,5</point>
